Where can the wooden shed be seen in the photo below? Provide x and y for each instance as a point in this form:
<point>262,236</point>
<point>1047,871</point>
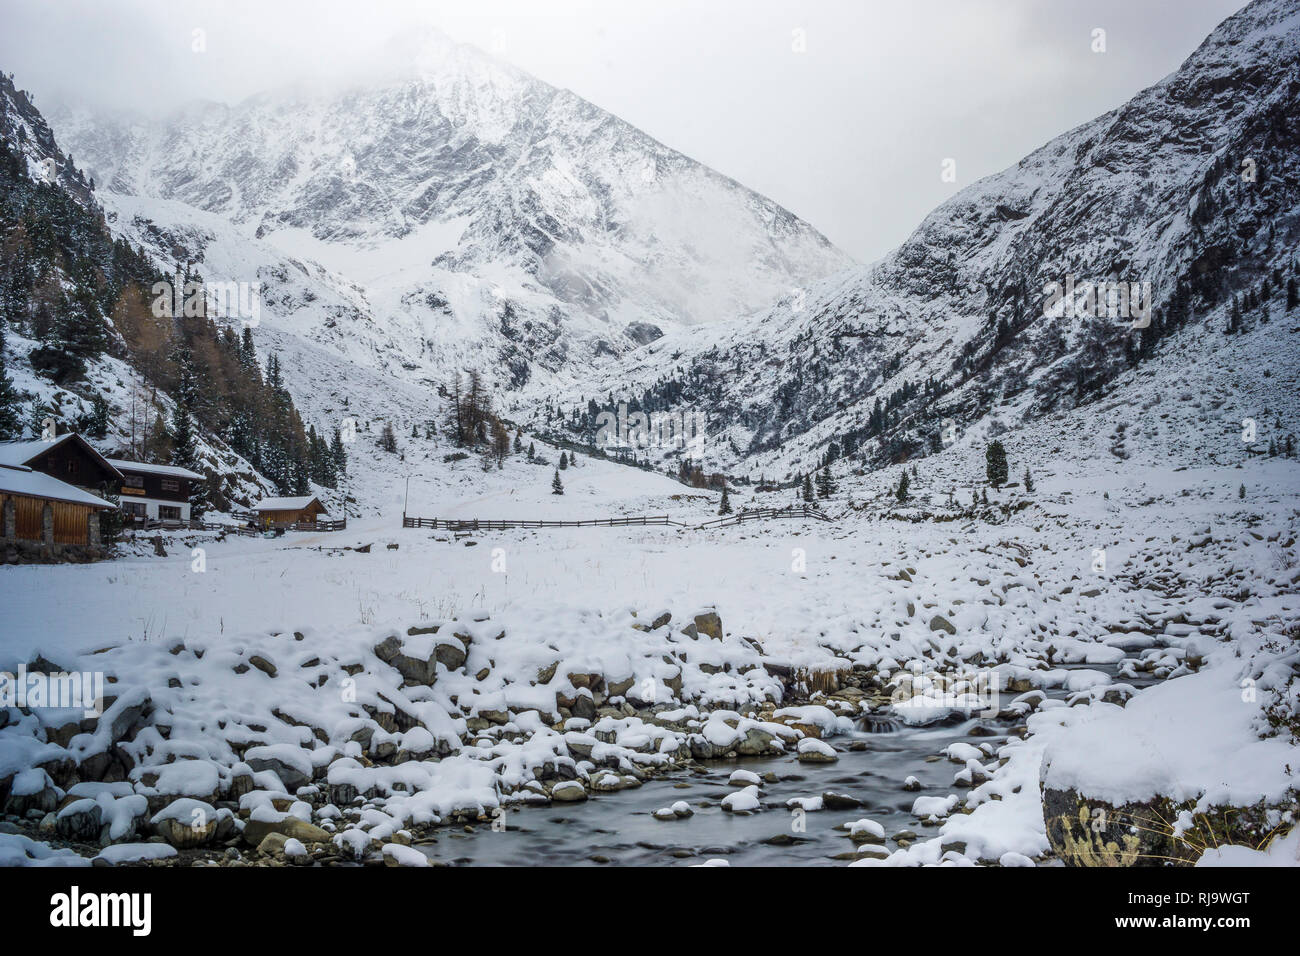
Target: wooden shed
<point>37,507</point>
<point>284,512</point>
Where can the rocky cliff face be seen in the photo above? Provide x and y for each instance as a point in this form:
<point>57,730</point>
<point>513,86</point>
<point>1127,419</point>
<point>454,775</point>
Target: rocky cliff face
<point>24,129</point>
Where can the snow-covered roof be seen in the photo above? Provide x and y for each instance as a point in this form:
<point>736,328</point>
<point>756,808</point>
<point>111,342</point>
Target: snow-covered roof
<point>285,504</point>
<point>21,480</point>
<point>21,452</point>
<point>171,471</point>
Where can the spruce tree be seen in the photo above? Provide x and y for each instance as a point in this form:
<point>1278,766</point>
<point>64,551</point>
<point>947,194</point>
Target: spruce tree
<point>995,463</point>
<point>11,425</point>
<point>97,425</point>
<point>184,450</point>
<point>557,486</point>
<point>564,461</point>
<point>808,489</point>
<point>1029,481</point>
<point>825,484</point>
<point>338,454</point>
<point>724,508</point>
<point>902,494</point>
<point>387,440</point>
<point>1241,492</point>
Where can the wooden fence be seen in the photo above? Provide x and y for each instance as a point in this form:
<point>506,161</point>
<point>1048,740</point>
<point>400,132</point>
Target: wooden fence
<point>766,514</point>
<point>329,524</point>
<point>156,524</point>
<point>480,524</point>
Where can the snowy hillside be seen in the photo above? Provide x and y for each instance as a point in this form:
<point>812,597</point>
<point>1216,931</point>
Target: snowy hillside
<point>1188,195</point>
<point>469,206</point>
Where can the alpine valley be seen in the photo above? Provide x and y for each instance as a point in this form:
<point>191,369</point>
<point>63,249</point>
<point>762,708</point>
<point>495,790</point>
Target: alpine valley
<point>1044,449</point>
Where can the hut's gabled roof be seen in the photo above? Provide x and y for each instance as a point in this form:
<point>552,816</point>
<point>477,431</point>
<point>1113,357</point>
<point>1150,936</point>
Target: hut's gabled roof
<point>21,480</point>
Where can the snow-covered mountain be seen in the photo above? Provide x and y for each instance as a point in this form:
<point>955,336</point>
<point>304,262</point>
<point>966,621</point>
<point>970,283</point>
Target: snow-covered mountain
<point>468,212</point>
<point>1191,191</point>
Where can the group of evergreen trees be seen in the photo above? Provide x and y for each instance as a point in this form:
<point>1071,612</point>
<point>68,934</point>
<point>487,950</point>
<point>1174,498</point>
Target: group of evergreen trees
<point>1255,302</point>
<point>471,422</point>
<point>80,293</point>
<point>823,487</point>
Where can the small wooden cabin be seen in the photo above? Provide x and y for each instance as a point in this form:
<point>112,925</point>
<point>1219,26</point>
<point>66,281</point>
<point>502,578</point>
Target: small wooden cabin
<point>37,507</point>
<point>281,512</point>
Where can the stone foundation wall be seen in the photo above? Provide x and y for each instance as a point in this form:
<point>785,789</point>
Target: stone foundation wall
<point>38,552</point>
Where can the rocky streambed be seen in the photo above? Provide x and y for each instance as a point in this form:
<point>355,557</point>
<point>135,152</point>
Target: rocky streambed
<point>453,744</point>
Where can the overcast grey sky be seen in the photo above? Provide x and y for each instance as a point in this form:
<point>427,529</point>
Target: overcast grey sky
<point>841,110</point>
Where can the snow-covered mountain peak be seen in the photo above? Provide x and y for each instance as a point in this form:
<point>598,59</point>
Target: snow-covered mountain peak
<point>481,214</point>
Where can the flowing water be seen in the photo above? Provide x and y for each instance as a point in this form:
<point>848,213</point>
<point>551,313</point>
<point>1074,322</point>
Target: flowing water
<point>619,828</point>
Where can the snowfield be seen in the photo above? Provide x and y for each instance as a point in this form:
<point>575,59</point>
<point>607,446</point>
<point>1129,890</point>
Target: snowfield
<point>372,693</point>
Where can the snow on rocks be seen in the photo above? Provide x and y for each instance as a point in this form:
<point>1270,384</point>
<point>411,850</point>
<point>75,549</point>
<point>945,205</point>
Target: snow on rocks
<point>397,855</point>
<point>134,853</point>
<point>742,801</point>
<point>812,750</point>
<point>375,730</point>
<point>933,809</point>
<point>678,811</point>
<point>569,791</point>
<point>187,823</point>
<point>744,778</point>
<point>866,831</point>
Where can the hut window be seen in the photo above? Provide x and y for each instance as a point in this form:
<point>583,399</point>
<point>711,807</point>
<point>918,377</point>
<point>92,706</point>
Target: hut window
<point>170,484</point>
<point>167,513</point>
<point>133,481</point>
<point>72,466</point>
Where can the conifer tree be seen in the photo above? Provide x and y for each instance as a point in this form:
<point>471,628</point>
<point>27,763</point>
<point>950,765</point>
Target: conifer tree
<point>338,453</point>
<point>724,507</point>
<point>825,482</point>
<point>1029,481</point>
<point>184,450</point>
<point>995,463</point>
<point>11,425</point>
<point>808,489</point>
<point>902,494</point>
<point>557,486</point>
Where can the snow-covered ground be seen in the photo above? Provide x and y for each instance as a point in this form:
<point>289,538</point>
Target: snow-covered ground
<point>1198,586</point>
